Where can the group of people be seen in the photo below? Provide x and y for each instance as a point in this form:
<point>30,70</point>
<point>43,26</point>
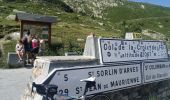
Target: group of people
<point>30,45</point>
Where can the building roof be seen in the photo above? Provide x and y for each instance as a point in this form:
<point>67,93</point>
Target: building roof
<point>35,18</point>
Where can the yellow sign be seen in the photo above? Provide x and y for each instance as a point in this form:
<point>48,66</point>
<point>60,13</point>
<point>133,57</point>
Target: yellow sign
<point>137,35</point>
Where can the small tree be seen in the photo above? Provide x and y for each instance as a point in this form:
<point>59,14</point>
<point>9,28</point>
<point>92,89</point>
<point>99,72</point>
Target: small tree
<point>134,27</point>
<point>124,28</point>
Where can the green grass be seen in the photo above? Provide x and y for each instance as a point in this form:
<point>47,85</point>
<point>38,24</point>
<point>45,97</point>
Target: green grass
<point>153,17</point>
<point>161,25</point>
<point>73,26</point>
<point>154,25</point>
<point>131,10</point>
<point>8,47</point>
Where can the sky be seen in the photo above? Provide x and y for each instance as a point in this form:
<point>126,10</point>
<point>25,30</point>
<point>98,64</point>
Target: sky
<point>165,3</point>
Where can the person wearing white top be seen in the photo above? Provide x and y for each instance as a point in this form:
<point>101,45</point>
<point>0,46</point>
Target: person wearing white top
<point>20,49</point>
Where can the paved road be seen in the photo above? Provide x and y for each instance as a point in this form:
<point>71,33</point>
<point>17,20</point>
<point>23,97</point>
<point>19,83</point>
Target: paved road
<point>13,83</point>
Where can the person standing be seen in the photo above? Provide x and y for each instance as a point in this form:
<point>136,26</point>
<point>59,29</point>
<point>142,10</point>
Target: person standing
<point>42,47</point>
<point>35,46</point>
<point>34,43</point>
<point>26,42</point>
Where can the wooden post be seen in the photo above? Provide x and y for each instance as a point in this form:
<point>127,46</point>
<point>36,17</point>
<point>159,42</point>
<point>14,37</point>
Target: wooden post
<point>21,29</point>
<point>49,33</point>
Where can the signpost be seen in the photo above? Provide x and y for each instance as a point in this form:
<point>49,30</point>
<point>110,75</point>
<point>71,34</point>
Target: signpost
<point>156,71</point>
<point>112,50</point>
<point>113,77</point>
<point>107,78</point>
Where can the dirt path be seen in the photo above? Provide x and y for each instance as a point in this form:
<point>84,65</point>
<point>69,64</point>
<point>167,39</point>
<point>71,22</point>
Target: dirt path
<point>13,83</point>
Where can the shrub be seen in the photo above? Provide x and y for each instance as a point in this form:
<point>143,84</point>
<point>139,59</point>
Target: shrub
<point>8,47</point>
<point>55,49</point>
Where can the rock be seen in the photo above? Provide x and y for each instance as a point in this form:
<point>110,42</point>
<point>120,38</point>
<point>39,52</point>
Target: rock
<point>82,25</point>
<point>2,6</point>
<point>18,11</point>
<point>13,60</point>
<point>58,13</point>
<point>121,3</point>
<point>7,37</point>
<point>143,6</point>
<point>115,4</point>
<point>11,17</point>
<point>92,7</point>
<point>15,35</point>
<point>101,24</point>
<point>80,40</point>
<point>161,26</point>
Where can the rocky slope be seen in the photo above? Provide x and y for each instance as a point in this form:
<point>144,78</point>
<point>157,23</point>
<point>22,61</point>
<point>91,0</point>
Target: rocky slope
<point>93,8</point>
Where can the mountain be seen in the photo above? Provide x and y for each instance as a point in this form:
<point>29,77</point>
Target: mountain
<point>133,10</point>
<point>106,15</point>
<point>93,8</point>
<point>79,18</point>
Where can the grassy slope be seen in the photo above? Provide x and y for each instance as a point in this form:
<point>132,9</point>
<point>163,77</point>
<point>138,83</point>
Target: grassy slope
<point>132,10</point>
<point>68,22</point>
<point>151,17</point>
<point>72,26</point>
<point>65,33</point>
<point>77,26</point>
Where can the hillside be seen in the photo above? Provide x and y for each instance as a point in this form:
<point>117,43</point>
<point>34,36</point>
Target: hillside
<point>93,8</point>
<point>79,18</point>
<point>87,16</point>
<point>140,16</point>
<point>132,10</point>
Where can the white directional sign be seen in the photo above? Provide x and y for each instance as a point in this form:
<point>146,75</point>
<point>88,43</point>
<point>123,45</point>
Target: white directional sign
<point>156,71</point>
<point>112,50</point>
<point>107,78</point>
